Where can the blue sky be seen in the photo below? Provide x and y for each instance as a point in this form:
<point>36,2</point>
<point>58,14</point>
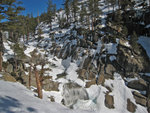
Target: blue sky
<point>33,6</point>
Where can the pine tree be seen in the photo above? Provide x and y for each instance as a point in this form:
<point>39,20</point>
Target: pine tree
<point>75,9</point>
<point>40,32</point>
<point>54,10</point>
<point>38,59</point>
<point>9,9</point>
<point>19,51</point>
<point>110,3</point>
<point>18,54</point>
<point>50,12</point>
<point>125,4</point>
<point>67,9</point>
<point>94,10</point>
<point>83,13</point>
<point>113,2</point>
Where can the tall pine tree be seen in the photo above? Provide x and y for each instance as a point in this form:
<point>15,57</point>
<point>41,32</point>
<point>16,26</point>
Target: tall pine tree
<point>75,9</point>
<point>94,11</point>
<point>51,10</point>
<point>67,9</point>
<point>83,13</point>
<point>9,9</point>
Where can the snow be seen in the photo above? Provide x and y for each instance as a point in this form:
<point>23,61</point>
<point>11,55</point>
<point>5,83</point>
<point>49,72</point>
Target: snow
<point>85,105</point>
<point>99,47</point>
<point>71,71</point>
<point>111,47</point>
<point>39,67</point>
<point>8,48</point>
<point>121,93</point>
<point>27,73</point>
<point>112,58</point>
<point>131,79</point>
<point>127,44</point>
<point>57,69</point>
<point>147,74</point>
<point>145,42</point>
<point>29,50</point>
<point>1,75</point>
<point>66,62</point>
<point>72,92</point>
<point>57,96</point>
<point>27,65</point>
<point>72,74</point>
<point>15,98</point>
<point>148,26</point>
<point>9,53</point>
<point>46,66</point>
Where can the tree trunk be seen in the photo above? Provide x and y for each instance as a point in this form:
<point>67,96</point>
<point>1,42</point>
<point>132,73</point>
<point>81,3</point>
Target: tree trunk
<point>39,88</point>
<point>29,77</point>
<point>1,60</point>
<point>92,24</point>
<point>89,22</point>
<point>16,66</point>
<point>119,4</point>
<point>23,38</point>
<point>113,8</point>
<point>27,37</point>
<point>41,76</point>
<point>1,50</point>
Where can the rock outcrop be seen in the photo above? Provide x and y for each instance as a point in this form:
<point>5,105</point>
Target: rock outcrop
<point>131,106</point>
<point>109,101</point>
<point>138,84</point>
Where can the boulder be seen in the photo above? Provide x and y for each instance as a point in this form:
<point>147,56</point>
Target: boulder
<point>124,43</point>
<point>131,107</point>
<point>8,77</point>
<point>109,101</point>
<point>61,75</point>
<point>138,84</point>
<point>89,43</point>
<point>87,63</point>
<point>91,75</point>
<point>50,85</point>
<point>82,73</point>
<point>91,82</point>
<point>9,68</point>
<point>110,69</point>
<point>83,43</point>
<point>52,99</point>
<point>101,79</point>
<point>140,99</point>
<point>131,61</point>
<point>73,92</point>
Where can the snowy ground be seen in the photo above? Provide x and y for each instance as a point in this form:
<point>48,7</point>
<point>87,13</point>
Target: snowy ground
<point>15,98</point>
<point>145,42</point>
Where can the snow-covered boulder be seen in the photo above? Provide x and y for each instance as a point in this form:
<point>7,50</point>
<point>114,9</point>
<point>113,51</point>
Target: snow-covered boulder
<point>73,92</point>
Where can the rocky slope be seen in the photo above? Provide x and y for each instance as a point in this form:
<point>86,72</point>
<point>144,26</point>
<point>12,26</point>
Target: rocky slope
<point>91,72</point>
